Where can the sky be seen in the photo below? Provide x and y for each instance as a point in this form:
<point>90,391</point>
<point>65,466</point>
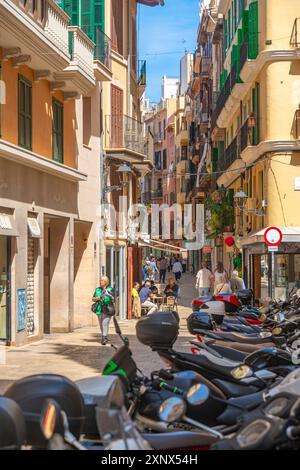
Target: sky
<point>171,28</point>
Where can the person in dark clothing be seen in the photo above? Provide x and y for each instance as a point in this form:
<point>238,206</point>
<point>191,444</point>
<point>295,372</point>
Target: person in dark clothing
<point>171,289</point>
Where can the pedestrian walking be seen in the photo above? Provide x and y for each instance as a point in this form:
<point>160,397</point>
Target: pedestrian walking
<point>222,287</point>
<point>204,280</point>
<point>163,265</point>
<point>104,308</point>
<point>153,269</point>
<point>184,264</point>
<point>236,282</point>
<point>136,301</point>
<point>145,298</point>
<point>220,273</point>
<point>177,270</point>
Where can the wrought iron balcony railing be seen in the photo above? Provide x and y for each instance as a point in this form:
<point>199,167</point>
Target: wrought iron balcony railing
<point>103,48</point>
<point>295,36</point>
<point>229,156</point>
<point>124,132</point>
<point>156,194</point>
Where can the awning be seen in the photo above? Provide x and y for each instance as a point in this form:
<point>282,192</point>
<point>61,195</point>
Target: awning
<point>33,228</point>
<point>290,235</point>
<point>8,226</point>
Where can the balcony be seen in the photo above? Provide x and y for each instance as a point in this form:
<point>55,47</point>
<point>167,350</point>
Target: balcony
<point>205,67</point>
<point>102,56</point>
<point>156,194</point>
<point>45,45</point>
<point>124,135</point>
<point>158,139</point>
<point>142,77</point>
<point>230,155</point>
<point>244,136</point>
<point>82,56</point>
<point>295,36</point>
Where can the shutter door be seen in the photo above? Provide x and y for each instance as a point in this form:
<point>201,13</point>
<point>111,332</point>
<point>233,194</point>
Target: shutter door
<point>116,117</point>
<point>117,25</point>
<point>253,30</point>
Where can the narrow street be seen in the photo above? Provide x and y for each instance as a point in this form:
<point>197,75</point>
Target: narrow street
<point>79,354</point>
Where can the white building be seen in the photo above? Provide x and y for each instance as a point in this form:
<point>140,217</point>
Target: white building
<point>169,87</point>
<point>186,70</point>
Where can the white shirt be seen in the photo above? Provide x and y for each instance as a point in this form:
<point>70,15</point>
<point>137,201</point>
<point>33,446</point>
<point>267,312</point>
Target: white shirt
<point>177,267</point>
<point>203,278</point>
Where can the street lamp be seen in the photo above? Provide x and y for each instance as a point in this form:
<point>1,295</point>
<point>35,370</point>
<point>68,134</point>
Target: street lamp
<point>240,199</point>
<point>222,191</point>
<point>124,171</point>
<point>251,120</point>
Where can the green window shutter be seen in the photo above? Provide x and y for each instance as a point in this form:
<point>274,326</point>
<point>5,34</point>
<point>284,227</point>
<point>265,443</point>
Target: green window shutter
<point>245,25</point>
<point>234,17</point>
<point>215,159</point>
<point>58,131</point>
<point>71,8</point>
<point>253,30</point>
<point>230,196</point>
<point>240,36</point>
<point>25,113</point>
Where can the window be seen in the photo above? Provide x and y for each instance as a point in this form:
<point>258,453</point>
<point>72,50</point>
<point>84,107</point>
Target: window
<point>25,113</point>
<point>2,97</point>
<point>164,159</point>
<point>133,45</point>
<point>86,120</point>
<point>159,130</point>
<point>57,131</point>
<point>117,25</point>
<point>116,117</point>
<point>165,125</point>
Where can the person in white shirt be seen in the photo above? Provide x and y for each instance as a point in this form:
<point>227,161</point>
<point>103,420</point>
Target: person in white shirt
<point>177,269</point>
<point>220,273</point>
<point>203,280</point>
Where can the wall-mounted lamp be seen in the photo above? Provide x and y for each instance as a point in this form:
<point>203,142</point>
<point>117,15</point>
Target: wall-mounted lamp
<point>124,171</point>
<point>252,120</point>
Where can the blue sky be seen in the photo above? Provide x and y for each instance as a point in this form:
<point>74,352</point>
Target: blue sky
<point>163,29</point>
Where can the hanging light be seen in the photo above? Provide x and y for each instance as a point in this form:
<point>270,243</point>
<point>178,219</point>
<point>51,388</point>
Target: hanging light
<point>124,171</point>
<point>252,120</point>
<point>240,198</point>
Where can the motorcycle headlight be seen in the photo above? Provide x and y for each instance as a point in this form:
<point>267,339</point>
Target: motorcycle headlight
<point>253,434</point>
<point>242,372</point>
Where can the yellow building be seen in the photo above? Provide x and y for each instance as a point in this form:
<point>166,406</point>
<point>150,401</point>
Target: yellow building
<point>181,151</point>
<point>255,129</point>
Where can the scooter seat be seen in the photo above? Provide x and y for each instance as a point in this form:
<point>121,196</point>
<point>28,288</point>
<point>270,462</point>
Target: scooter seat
<point>239,338</point>
<point>235,406</point>
<point>213,365</point>
<point>181,439</point>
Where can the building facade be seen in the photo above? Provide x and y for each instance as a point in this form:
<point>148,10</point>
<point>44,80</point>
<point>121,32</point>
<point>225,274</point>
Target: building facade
<point>49,172</point>
<point>254,132</point>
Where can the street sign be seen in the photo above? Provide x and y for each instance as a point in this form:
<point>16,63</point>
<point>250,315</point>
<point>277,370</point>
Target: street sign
<point>273,236</point>
<point>273,248</point>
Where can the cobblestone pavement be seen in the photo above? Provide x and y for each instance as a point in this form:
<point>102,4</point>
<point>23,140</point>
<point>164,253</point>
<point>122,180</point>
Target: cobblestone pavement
<point>79,354</point>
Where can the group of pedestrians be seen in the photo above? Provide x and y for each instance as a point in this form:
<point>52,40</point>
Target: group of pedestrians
<point>218,281</point>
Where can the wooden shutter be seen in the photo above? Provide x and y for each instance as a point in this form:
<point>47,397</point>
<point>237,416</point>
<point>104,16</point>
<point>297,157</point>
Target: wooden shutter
<point>117,26</point>
<point>133,45</point>
<point>116,127</point>
<point>25,113</point>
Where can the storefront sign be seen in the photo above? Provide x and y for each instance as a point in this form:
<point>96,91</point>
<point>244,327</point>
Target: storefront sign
<point>22,301</point>
<point>273,236</point>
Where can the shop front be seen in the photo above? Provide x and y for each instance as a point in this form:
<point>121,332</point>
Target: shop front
<point>273,274</point>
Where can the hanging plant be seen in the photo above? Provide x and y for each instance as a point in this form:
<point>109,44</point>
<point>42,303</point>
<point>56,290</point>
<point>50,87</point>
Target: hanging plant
<point>222,214</point>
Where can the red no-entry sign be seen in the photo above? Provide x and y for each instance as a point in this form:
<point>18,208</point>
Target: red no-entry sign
<point>273,236</point>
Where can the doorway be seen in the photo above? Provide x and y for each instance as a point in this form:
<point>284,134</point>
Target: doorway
<point>5,249</point>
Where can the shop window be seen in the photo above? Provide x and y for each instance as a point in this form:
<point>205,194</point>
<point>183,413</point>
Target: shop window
<point>57,131</point>
<point>25,113</point>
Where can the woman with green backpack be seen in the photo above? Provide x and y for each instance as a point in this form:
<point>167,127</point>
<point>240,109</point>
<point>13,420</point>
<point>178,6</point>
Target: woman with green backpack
<point>103,306</point>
